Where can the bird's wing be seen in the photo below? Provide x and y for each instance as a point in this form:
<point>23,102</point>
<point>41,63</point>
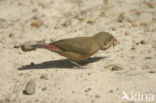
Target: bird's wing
<point>81,45</point>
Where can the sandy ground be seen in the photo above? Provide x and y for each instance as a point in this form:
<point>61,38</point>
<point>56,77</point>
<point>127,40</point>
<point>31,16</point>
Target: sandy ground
<point>132,22</point>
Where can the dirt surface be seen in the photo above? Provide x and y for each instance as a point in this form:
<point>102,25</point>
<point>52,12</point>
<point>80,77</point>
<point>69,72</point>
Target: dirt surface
<point>128,67</point>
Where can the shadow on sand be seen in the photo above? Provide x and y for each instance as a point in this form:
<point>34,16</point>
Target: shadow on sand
<point>59,64</point>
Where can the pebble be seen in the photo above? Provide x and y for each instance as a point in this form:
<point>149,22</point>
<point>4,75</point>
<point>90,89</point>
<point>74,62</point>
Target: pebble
<point>133,47</point>
<point>17,46</point>
<point>90,21</point>
<point>30,87</point>
<point>44,88</point>
<point>152,71</point>
<point>145,24</point>
<point>111,91</point>
<point>142,42</point>
<point>102,14</point>
<point>32,63</point>
<point>44,76</point>
<point>27,46</point>
<point>97,96</point>
<point>114,28</point>
<point>136,24</point>
<point>150,4</point>
<point>80,17</point>
<point>34,10</point>
<point>127,33</point>
<point>11,35</point>
<point>87,90</point>
<point>138,12</point>
<point>67,23</point>
<point>115,67</point>
<point>148,58</point>
<point>37,23</point>
<point>122,17</point>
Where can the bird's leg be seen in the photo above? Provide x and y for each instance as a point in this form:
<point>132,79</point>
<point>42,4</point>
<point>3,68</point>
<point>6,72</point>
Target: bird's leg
<point>76,64</point>
<point>73,62</point>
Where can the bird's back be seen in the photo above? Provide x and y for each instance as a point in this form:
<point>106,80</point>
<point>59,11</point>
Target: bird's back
<point>81,45</point>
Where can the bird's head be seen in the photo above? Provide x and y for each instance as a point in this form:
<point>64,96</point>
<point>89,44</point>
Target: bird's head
<point>104,40</point>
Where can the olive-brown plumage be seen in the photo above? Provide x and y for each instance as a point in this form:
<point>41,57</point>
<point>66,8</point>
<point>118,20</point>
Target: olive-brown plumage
<point>80,48</point>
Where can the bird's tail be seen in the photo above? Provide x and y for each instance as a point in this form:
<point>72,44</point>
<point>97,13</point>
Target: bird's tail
<point>41,45</point>
<point>47,46</point>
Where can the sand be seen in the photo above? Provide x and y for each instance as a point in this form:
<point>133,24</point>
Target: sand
<point>132,22</point>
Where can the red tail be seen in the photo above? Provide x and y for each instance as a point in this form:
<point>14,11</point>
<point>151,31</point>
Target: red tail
<point>47,46</point>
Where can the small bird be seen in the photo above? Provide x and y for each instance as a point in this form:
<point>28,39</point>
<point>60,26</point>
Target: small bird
<point>80,48</point>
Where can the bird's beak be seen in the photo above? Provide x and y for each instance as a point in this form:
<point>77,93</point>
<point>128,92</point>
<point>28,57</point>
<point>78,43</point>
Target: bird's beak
<point>115,42</point>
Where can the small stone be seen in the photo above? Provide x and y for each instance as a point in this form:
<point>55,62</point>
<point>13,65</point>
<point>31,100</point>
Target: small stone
<point>142,42</point>
<point>90,21</point>
<point>27,46</point>
<point>30,87</point>
<point>87,90</point>
<point>111,91</point>
<point>67,23</point>
<point>34,10</point>
<point>137,43</point>
<point>45,88</point>
<point>37,23</point>
<point>17,46</point>
<point>42,5</point>
<point>114,28</point>
<point>89,73</point>
<point>137,12</point>
<point>127,33</point>
<point>97,96</point>
<point>122,17</point>
<point>105,1</point>
<point>115,67</point>
<point>11,35</point>
<point>133,47</point>
<point>80,17</point>
<point>152,71</point>
<point>34,17</point>
<point>150,4</point>
<point>20,4</point>
<point>148,57</point>
<point>32,63</point>
<point>102,14</point>
<point>44,76</point>
<point>136,24</point>
<point>145,24</point>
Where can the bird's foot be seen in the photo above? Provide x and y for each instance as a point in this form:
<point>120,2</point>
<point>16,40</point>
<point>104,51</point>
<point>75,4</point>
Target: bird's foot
<point>76,64</point>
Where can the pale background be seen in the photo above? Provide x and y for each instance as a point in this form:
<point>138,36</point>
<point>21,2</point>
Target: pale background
<point>71,18</point>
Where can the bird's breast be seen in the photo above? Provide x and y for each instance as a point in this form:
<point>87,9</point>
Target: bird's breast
<point>75,56</point>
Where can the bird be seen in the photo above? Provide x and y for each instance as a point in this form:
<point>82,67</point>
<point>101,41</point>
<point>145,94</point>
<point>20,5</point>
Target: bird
<point>80,48</point>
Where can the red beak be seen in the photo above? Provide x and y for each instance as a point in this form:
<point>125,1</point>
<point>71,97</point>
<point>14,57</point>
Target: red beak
<point>115,42</point>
